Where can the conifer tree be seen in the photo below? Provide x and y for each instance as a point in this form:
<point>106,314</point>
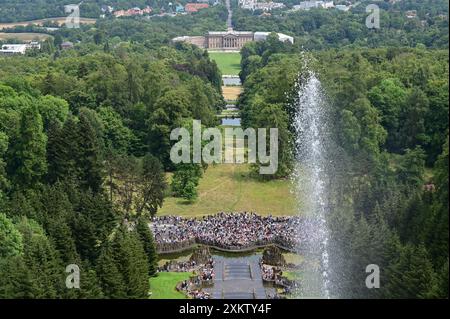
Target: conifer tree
<point>28,160</point>
<point>152,186</point>
<point>41,258</point>
<point>412,275</point>
<point>90,159</point>
<point>16,280</point>
<point>111,280</point>
<point>146,237</point>
<point>10,238</point>
<point>131,262</point>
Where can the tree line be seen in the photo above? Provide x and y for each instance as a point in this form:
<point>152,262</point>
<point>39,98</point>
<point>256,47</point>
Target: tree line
<point>319,29</point>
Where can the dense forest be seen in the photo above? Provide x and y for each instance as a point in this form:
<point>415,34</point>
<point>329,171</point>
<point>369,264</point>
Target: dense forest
<point>389,191</point>
<point>71,128</point>
<point>84,140</point>
<point>25,10</point>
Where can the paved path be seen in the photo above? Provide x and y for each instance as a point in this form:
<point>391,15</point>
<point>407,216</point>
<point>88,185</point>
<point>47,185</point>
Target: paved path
<point>238,278</point>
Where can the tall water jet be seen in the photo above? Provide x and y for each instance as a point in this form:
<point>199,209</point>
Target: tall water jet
<point>310,125</point>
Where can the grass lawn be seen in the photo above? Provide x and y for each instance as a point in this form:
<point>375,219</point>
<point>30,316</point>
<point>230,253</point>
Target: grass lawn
<point>163,285</point>
<point>229,63</point>
<point>229,188</point>
<point>292,258</point>
<point>292,275</point>
<point>27,36</point>
<point>59,20</point>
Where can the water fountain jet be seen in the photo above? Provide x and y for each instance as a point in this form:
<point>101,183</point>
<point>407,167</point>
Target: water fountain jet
<point>311,128</point>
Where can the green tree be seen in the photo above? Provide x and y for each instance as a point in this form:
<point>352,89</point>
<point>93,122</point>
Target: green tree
<point>117,135</point>
<point>152,186</point>
<point>28,159</point>
<point>4,183</point>
<point>110,278</point>
<point>389,97</point>
<point>90,155</point>
<point>148,241</point>
<point>438,235</point>
<point>168,113</point>
<point>412,167</point>
<point>131,262</point>
<point>16,281</point>
<point>63,151</point>
<point>41,258</point>
<point>412,130</point>
<point>185,181</point>
<point>10,238</point>
<point>411,276</point>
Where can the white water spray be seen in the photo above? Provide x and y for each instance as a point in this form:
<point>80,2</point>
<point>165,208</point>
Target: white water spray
<point>310,183</point>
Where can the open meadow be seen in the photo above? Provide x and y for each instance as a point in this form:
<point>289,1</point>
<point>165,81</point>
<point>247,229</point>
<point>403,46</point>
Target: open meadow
<point>26,36</point>
<point>229,63</point>
<point>163,285</point>
<point>230,188</point>
<point>57,20</point>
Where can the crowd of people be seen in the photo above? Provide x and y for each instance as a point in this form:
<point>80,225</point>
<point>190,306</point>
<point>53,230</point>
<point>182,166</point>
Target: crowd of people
<point>270,273</point>
<point>184,266</point>
<point>275,275</point>
<point>202,274</point>
<point>207,272</point>
<point>226,230</point>
<point>192,289</point>
<point>193,286</point>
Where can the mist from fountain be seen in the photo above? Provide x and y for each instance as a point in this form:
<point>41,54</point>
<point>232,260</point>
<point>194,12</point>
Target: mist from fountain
<point>310,176</point>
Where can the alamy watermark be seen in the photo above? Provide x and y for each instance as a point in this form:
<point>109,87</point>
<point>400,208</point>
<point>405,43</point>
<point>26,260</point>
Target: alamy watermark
<point>73,19</point>
<point>234,151</point>
<point>373,279</point>
<point>373,19</point>
<point>73,279</point>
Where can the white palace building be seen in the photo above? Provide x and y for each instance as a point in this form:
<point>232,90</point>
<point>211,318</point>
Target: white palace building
<point>229,40</point>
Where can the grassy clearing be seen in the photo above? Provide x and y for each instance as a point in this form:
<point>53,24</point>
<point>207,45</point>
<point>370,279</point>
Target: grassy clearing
<point>230,188</point>
<point>229,63</point>
<point>58,20</point>
<point>292,275</point>
<point>163,285</point>
<point>26,36</point>
<point>231,92</point>
<point>292,258</point>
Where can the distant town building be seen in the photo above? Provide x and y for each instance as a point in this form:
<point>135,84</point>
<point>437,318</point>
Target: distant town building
<point>66,45</point>
<point>132,12</point>
<point>229,40</point>
<point>261,36</point>
<point>255,5</point>
<point>306,5</point>
<point>33,45</point>
<point>411,14</point>
<point>342,7</point>
<point>12,49</point>
<point>107,9</point>
<point>194,7</point>
<point>179,8</point>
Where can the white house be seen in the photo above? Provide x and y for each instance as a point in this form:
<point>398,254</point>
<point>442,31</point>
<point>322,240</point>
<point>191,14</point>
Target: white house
<point>306,5</point>
<point>342,7</point>
<point>261,36</point>
<point>11,49</point>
